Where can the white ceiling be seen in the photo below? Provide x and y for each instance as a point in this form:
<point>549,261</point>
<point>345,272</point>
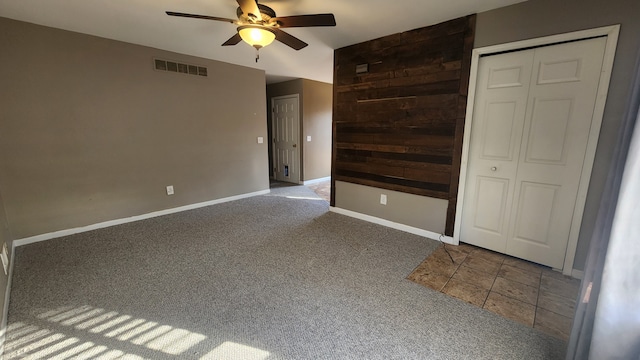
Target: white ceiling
<point>144,22</point>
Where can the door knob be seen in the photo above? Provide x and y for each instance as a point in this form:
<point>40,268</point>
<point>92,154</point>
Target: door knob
<point>493,168</point>
<point>294,145</point>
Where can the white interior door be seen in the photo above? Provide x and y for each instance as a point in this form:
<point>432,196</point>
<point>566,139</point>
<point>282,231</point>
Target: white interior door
<point>533,114</point>
<point>495,148</point>
<point>286,122</point>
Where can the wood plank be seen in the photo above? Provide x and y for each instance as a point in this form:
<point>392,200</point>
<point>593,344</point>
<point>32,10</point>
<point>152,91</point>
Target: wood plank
<point>398,126</point>
<point>434,102</point>
<point>409,172</point>
<point>377,75</point>
<point>433,127</point>
<point>393,157</point>
<point>428,69</point>
<point>425,79</point>
<point>406,46</point>
<point>435,177</point>
<point>355,138</point>
<point>426,158</point>
<point>438,88</point>
<point>334,132</point>
<point>425,33</point>
<point>397,149</point>
<point>429,141</point>
<point>408,163</point>
<point>370,168</point>
<point>442,189</point>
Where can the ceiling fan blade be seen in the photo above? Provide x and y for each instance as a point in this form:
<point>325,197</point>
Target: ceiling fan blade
<point>250,7</point>
<point>305,20</point>
<point>172,13</point>
<point>233,40</point>
<point>289,40</point>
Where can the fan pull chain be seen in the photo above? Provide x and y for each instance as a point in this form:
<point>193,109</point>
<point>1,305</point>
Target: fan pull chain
<point>257,55</point>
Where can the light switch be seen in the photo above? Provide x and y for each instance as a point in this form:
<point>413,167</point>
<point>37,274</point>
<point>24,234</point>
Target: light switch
<point>308,137</point>
<point>260,139</point>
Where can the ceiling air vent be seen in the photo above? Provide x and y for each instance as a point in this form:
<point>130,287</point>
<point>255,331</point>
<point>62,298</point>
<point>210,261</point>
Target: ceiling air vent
<point>176,67</point>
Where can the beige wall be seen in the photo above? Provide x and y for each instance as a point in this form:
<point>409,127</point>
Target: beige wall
<point>316,122</point>
<point>315,113</point>
<point>90,132</point>
<point>424,213</point>
<point>537,18</point>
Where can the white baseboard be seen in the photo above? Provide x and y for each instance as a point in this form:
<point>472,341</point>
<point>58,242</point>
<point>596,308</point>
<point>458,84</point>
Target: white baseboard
<point>394,225</point>
<point>60,233</point>
<point>315,181</point>
<point>577,274</point>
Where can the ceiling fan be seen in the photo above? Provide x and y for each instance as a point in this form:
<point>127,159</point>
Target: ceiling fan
<point>258,25</point>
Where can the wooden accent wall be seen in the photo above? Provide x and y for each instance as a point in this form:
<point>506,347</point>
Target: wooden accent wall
<point>399,126</point>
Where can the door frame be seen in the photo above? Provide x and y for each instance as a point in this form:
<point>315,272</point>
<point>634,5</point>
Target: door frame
<point>611,32</point>
<point>273,129</point>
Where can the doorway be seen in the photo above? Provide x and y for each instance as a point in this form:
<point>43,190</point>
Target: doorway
<point>286,135</point>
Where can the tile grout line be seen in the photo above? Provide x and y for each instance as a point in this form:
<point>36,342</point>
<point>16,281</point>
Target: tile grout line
<point>493,283</point>
<point>535,315</point>
<point>455,271</point>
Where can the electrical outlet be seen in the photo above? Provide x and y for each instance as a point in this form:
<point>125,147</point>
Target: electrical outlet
<point>170,190</point>
<point>383,199</point>
<point>4,255</point>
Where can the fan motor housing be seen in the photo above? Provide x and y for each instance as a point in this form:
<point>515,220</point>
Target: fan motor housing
<point>265,11</point>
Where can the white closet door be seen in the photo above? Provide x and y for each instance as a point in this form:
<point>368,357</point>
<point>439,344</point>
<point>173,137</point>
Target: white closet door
<point>560,109</point>
<point>501,100</point>
<point>536,188</point>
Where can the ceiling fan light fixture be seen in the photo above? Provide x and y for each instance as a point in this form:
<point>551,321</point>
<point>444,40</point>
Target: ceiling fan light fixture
<point>256,36</point>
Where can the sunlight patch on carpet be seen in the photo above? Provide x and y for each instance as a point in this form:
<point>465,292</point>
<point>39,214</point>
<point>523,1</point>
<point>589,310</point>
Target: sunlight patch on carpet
<point>58,334</point>
<point>233,351</point>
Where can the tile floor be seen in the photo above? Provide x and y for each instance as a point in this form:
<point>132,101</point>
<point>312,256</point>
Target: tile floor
<point>519,290</point>
<point>532,294</point>
<point>323,189</point>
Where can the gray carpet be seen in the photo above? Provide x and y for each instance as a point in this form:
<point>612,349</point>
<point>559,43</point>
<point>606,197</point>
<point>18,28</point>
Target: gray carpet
<point>270,277</point>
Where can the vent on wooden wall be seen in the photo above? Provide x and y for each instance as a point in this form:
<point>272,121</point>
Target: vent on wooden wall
<point>172,66</point>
